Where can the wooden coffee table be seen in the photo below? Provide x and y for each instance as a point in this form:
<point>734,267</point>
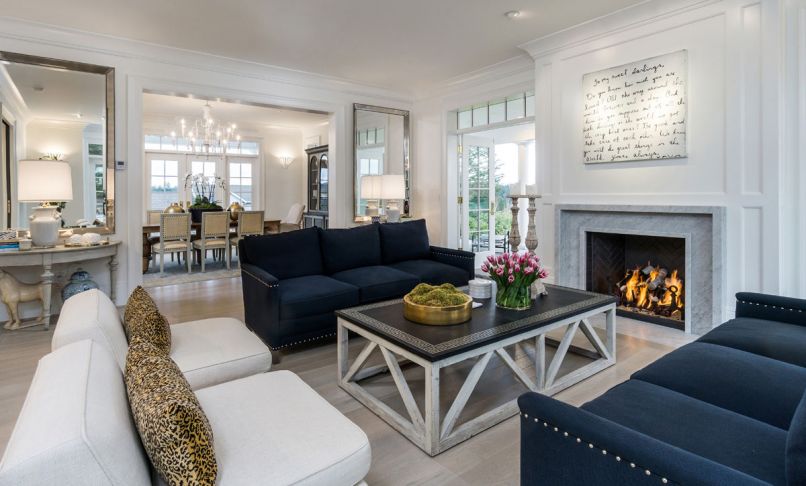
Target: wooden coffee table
<point>488,333</point>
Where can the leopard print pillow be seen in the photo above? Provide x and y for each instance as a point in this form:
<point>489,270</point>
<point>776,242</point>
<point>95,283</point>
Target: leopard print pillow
<point>173,427</point>
<point>142,319</point>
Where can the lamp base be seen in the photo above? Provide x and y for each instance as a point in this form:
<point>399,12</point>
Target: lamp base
<point>372,208</point>
<point>392,212</point>
<point>44,226</point>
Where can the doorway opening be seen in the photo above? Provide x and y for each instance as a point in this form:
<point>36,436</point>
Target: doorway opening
<point>207,155</point>
<point>491,164</point>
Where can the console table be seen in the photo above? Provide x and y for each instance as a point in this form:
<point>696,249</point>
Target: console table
<point>47,257</point>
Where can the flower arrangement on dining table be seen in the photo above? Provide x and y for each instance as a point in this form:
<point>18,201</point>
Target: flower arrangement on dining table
<point>204,189</point>
<point>514,275</point>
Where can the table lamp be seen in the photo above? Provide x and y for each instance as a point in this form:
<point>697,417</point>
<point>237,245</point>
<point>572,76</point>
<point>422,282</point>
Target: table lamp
<point>44,181</point>
<point>393,189</point>
<point>371,191</point>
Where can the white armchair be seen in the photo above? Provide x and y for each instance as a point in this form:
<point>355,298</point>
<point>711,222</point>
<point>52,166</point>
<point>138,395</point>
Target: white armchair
<point>293,220</point>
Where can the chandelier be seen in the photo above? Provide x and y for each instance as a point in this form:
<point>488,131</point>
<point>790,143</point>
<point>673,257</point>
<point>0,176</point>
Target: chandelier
<point>208,135</point>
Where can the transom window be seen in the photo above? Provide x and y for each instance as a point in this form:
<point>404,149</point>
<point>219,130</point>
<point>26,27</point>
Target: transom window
<point>500,110</point>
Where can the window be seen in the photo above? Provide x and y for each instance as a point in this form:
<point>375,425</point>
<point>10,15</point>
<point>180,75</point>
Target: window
<point>240,183</point>
<point>496,111</point>
<point>369,137</point>
<point>164,183</point>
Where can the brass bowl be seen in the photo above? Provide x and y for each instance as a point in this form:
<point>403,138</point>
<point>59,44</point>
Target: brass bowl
<point>437,316</point>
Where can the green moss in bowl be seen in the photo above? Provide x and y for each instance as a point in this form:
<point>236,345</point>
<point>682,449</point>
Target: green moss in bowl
<point>444,295</point>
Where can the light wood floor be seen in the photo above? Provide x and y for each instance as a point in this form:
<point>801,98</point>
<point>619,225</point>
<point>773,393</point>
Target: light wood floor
<point>491,458</point>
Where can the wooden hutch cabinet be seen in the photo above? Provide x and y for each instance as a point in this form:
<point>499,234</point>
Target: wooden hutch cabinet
<point>318,190</point>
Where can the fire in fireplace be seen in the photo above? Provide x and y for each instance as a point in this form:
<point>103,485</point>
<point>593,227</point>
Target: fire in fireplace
<point>652,290</point>
<point>645,273</point>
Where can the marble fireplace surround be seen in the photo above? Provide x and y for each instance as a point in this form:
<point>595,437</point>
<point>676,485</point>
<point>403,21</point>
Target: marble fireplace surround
<point>702,227</point>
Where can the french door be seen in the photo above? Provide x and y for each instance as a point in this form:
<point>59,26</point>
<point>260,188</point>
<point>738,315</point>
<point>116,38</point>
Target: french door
<point>478,196</point>
<point>167,173</point>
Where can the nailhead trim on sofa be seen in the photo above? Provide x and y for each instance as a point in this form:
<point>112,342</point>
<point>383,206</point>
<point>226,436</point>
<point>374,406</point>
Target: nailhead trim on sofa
<point>590,445</point>
<point>303,341</point>
<point>790,309</point>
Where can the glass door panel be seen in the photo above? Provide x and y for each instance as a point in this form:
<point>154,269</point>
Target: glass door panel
<point>478,195</point>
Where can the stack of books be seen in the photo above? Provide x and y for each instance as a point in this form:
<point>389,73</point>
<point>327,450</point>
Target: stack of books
<point>8,245</point>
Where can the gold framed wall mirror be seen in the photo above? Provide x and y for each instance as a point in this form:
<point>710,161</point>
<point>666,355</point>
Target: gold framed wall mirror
<point>381,165</point>
<point>58,110</point>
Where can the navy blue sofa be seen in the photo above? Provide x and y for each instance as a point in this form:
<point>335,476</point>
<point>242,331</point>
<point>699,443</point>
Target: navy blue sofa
<point>727,409</point>
<point>293,282</point>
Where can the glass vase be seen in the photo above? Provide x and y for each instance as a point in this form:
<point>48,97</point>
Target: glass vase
<point>514,297</point>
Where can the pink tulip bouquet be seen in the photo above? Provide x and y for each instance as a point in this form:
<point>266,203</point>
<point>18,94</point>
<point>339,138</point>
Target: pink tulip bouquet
<point>514,275</point>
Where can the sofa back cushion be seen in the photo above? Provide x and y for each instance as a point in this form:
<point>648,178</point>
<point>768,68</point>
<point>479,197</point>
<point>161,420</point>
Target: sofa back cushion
<point>796,447</point>
<point>75,427</point>
<point>404,241</point>
<point>91,315</point>
<point>344,249</point>
<point>284,255</point>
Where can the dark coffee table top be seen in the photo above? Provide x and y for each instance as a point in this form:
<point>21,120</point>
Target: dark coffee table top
<point>488,324</point>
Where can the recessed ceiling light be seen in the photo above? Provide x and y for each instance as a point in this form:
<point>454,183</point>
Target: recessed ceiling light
<point>513,14</point>
<point>38,88</point>
<point>79,115</point>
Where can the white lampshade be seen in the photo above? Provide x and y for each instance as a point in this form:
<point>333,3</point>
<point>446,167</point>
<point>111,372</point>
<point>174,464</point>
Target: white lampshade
<point>393,186</point>
<point>371,187</point>
<point>44,180</point>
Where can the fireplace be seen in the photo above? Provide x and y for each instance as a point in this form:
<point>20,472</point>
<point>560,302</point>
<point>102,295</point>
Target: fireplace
<point>693,235</point>
<point>645,273</point>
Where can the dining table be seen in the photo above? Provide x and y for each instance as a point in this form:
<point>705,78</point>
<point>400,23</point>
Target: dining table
<point>269,226</point>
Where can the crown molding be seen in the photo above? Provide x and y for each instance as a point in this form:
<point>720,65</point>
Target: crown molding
<point>50,35</point>
<point>509,69</point>
<point>644,13</point>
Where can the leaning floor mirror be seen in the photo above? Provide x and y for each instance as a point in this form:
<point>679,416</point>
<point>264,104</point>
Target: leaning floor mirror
<point>58,150</point>
<point>381,168</point>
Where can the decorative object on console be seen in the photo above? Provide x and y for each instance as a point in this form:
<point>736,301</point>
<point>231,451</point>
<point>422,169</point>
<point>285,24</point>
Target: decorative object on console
<point>620,102</point>
<point>25,244</point>
<point>80,281</point>
<point>234,209</point>
<point>514,275</point>
<point>43,181</point>
<point>441,305</point>
<point>13,292</point>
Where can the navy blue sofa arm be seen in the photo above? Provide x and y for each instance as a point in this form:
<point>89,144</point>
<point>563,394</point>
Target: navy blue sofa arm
<point>466,260</point>
<point>565,445</point>
<point>771,308</point>
<point>261,302</point>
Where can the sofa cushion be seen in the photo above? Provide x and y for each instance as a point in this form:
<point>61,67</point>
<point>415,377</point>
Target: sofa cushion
<point>725,437</point>
<point>285,255</point>
<point>75,427</point>
<point>172,425</point>
<point>314,294</point>
<point>404,241</point>
<point>91,315</point>
<point>745,385</point>
<point>796,447</point>
<point>152,327</point>
<point>434,273</point>
<point>776,340</point>
<point>212,351</point>
<point>283,433</point>
<point>343,249</point>
<point>378,282</point>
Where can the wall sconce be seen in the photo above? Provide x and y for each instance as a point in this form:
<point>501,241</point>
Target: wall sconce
<point>285,161</point>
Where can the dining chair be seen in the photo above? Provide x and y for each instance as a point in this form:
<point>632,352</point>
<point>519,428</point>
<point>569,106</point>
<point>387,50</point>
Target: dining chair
<point>214,236</point>
<point>249,223</point>
<point>174,238</point>
<point>293,220</point>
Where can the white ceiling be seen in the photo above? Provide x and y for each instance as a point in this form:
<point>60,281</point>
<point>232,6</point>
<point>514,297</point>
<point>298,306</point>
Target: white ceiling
<point>159,108</point>
<point>55,94</point>
<point>407,45</point>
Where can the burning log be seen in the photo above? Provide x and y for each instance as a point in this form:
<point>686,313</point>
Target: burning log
<point>653,290</point>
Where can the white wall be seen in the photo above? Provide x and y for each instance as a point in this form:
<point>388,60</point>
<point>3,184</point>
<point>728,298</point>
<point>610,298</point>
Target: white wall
<point>140,66</point>
<point>282,187</point>
<point>740,155</point>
